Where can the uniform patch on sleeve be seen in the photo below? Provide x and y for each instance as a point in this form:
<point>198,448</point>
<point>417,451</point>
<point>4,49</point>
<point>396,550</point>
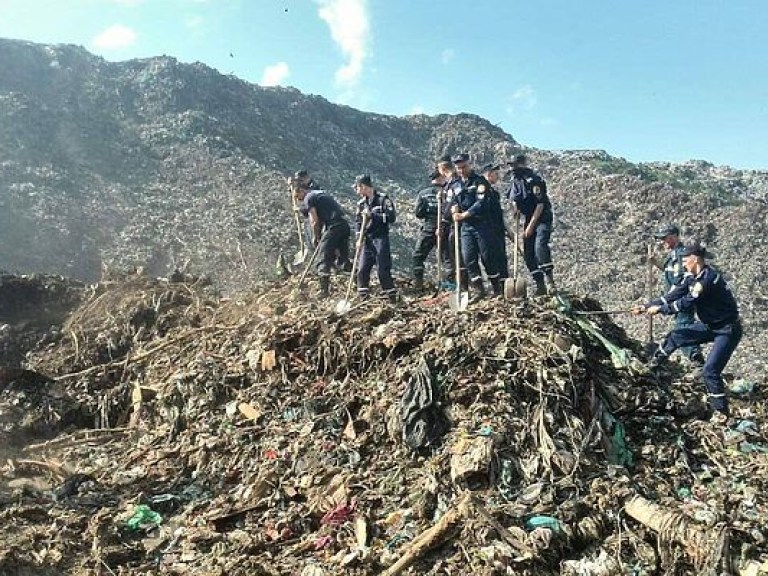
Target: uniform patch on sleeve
<point>696,289</point>
<point>481,188</point>
<point>537,191</point>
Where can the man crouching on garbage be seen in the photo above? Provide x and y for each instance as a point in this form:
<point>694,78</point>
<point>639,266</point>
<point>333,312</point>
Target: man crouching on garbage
<point>705,291</point>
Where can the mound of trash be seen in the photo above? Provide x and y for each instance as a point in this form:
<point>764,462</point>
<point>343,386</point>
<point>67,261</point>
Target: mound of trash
<point>171,431</point>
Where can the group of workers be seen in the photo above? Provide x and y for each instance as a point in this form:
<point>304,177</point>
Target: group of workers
<point>463,219</point>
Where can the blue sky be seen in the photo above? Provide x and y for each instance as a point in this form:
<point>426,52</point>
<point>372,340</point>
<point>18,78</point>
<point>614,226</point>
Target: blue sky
<point>646,79</point>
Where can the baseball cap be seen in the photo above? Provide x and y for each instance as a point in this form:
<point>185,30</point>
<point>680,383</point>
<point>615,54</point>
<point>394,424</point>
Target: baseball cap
<point>667,230</point>
<point>695,248</point>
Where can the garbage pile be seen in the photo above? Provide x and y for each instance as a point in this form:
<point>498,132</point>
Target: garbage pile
<point>270,435</point>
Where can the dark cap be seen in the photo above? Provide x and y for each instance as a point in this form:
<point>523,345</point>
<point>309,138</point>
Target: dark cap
<point>668,230</point>
<point>490,167</point>
<point>445,159</point>
<point>695,248</point>
<point>363,179</point>
<point>434,175</point>
<point>463,157</point>
<point>519,160</point>
<point>301,174</point>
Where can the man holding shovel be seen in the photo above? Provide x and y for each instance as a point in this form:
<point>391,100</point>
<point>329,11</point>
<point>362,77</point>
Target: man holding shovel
<point>330,231</point>
<point>529,193</point>
<point>705,292</point>
<point>674,272</point>
<point>428,203</point>
<point>470,208</point>
<point>377,211</point>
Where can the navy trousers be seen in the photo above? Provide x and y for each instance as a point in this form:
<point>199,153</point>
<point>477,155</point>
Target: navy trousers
<point>334,247</point>
<point>375,252</point>
<point>724,341</point>
<point>425,244</point>
<point>475,246</point>
<point>536,252</point>
<point>683,319</point>
<point>498,250</point>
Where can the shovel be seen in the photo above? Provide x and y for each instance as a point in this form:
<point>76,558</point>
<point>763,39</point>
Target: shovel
<point>344,306</point>
<point>309,264</point>
<point>439,243</point>
<point>600,312</point>
<point>459,300</point>
<point>515,287</point>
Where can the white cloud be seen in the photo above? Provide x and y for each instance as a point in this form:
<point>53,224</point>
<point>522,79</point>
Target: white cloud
<point>349,26</point>
<point>275,74</point>
<point>522,99</point>
<point>447,55</point>
<point>114,38</point>
<point>194,22</point>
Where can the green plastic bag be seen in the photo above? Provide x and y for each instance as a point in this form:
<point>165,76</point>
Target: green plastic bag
<point>143,516</point>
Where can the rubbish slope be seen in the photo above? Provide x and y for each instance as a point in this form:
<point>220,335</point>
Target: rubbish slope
<point>167,430</point>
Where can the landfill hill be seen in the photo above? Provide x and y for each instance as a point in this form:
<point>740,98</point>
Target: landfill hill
<point>165,165</point>
<point>159,428</point>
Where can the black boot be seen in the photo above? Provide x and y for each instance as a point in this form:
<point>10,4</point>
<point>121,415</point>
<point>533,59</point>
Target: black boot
<point>392,297</point>
<point>479,291</point>
<point>325,282</point>
<point>496,285</point>
<point>418,284</point>
<point>541,287</point>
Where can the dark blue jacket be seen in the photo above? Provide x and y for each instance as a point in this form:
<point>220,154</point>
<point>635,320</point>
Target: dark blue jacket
<point>426,208</point>
<point>707,293</point>
<point>673,268</point>
<point>328,210</point>
<point>527,191</point>
<point>495,212</point>
<point>471,196</point>
<point>382,211</point>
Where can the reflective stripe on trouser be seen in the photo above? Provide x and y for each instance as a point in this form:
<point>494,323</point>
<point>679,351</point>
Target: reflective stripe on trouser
<point>424,245</point>
<point>536,252</point>
<point>474,248</point>
<point>376,251</point>
<point>724,341</point>
<point>683,319</point>
<point>334,247</point>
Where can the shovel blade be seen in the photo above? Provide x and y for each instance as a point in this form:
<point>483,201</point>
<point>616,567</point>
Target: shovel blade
<point>343,306</point>
<point>459,301</point>
<point>300,257</point>
<point>521,288</point>
<point>515,288</point>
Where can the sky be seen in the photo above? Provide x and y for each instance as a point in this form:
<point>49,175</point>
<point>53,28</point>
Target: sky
<point>647,80</point>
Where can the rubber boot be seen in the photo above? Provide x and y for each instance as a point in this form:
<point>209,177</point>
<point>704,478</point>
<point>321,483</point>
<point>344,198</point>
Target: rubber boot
<point>325,282</point>
<point>479,291</point>
<point>418,284</point>
<point>541,287</point>
<point>496,284</point>
<point>392,297</point>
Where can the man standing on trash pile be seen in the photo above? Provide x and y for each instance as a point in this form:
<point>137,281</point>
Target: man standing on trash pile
<point>448,172</point>
<point>469,207</point>
<point>330,230</point>
<point>496,219</point>
<point>379,211</point>
<point>427,204</point>
<point>706,292</point>
<point>673,274</point>
<point>528,191</point>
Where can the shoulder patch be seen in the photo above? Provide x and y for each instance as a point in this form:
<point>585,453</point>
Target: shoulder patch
<point>696,289</point>
<point>481,188</point>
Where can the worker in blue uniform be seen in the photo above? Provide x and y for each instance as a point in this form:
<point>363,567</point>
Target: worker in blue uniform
<point>673,273</point>
<point>705,291</point>
<point>427,203</point>
<point>379,211</point>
